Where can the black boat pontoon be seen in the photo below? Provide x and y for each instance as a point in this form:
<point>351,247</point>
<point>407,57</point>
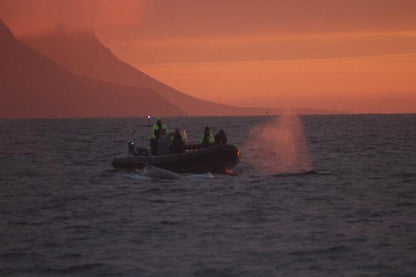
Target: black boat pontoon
<point>220,158</point>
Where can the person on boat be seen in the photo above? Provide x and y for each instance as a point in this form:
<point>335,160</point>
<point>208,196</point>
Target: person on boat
<point>164,143</point>
<point>220,137</point>
<point>207,139</point>
<point>177,145</point>
<point>159,130</point>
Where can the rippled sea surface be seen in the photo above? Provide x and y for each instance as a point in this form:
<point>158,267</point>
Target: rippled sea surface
<point>65,210</point>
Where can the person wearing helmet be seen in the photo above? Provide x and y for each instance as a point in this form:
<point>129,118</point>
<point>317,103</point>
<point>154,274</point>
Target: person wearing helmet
<point>159,130</point>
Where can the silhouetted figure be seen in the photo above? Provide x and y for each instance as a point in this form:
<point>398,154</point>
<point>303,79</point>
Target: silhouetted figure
<point>164,143</point>
<point>177,142</point>
<point>220,137</point>
<point>159,130</point>
<point>207,139</point>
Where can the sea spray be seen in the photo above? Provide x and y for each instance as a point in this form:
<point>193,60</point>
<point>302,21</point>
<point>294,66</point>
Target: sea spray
<point>279,146</point>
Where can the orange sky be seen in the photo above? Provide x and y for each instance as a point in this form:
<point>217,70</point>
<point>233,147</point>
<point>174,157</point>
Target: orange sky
<point>357,56</point>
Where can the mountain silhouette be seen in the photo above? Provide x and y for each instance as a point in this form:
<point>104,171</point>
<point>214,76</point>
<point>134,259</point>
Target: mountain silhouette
<point>32,85</point>
<point>82,53</point>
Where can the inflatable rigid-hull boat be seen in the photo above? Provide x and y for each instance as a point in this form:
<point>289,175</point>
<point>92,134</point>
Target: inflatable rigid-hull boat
<point>215,159</point>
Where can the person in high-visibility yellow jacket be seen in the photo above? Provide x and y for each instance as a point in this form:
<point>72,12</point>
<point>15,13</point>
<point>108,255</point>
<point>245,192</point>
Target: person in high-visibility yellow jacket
<point>159,130</point>
<point>207,139</point>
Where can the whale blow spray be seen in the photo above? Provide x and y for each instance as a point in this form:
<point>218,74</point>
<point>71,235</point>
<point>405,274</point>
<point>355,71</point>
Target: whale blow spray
<point>279,146</point>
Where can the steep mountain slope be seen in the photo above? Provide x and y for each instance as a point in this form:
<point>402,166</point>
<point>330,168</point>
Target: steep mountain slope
<point>31,85</point>
<point>84,54</point>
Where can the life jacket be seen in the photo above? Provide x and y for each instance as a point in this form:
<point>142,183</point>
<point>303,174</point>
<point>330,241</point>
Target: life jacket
<point>209,140</point>
<point>156,130</point>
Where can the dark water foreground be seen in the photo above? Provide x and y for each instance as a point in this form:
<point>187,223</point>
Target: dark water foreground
<point>64,210</point>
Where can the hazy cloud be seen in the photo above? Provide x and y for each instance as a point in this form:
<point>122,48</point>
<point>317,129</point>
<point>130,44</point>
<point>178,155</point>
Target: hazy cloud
<point>33,16</point>
<point>184,18</point>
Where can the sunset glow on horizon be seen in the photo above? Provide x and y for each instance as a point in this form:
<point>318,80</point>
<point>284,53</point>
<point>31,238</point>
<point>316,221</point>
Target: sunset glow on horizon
<point>353,56</point>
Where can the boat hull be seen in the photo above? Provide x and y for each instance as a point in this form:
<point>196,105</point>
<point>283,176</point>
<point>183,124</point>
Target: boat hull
<point>214,159</point>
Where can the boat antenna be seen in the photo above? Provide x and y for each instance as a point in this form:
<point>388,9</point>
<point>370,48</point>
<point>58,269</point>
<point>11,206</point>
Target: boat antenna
<point>132,133</point>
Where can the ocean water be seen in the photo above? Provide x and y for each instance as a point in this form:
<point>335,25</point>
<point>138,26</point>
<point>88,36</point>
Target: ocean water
<point>312,196</point>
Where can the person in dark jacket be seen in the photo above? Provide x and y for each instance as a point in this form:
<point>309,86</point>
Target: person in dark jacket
<point>220,137</point>
<point>207,139</point>
<point>177,145</point>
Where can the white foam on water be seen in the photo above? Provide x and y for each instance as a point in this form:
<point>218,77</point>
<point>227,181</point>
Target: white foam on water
<point>207,175</point>
<point>133,175</point>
